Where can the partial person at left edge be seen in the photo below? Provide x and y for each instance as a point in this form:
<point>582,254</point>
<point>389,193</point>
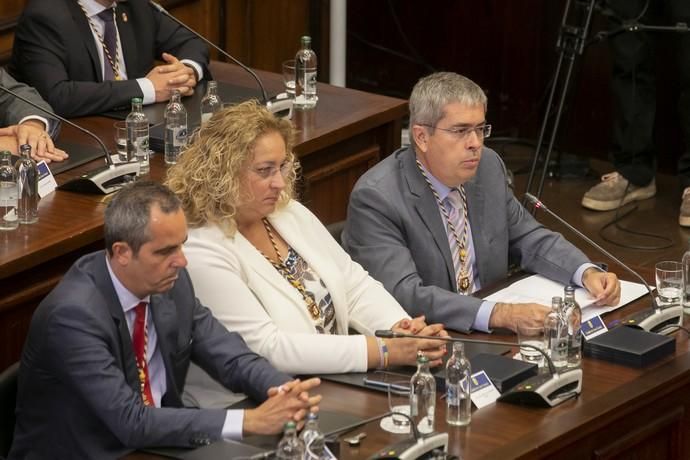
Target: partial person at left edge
<point>105,359</point>
<point>20,123</point>
<point>87,57</point>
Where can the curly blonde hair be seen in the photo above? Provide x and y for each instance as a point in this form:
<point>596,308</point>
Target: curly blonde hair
<point>207,176</point>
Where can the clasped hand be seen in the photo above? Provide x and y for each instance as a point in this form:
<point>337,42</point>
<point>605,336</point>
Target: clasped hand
<point>404,351</point>
<point>289,402</point>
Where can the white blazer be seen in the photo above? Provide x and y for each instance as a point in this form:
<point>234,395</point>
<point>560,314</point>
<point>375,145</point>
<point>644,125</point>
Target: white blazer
<point>248,295</point>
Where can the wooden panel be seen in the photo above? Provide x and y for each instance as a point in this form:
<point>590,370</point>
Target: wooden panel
<point>262,34</point>
<point>329,185</point>
<point>660,435</point>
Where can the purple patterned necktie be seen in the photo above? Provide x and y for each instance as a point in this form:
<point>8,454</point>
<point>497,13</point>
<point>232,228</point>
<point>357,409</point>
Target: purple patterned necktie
<point>110,40</point>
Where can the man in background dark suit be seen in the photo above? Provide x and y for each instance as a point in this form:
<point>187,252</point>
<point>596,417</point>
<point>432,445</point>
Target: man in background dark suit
<point>108,350</point>
<point>60,48</point>
<point>20,123</point>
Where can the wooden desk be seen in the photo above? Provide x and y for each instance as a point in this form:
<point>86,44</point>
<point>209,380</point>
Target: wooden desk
<point>347,133</point>
<point>622,413</point>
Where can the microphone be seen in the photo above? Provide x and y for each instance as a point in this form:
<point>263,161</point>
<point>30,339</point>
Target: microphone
<point>162,10</point>
<point>543,390</point>
<point>281,105</point>
<point>104,180</point>
<point>657,319</point>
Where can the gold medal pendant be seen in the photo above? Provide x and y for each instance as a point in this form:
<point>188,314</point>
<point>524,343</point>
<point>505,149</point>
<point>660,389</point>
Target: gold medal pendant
<point>464,283</point>
<point>313,309</point>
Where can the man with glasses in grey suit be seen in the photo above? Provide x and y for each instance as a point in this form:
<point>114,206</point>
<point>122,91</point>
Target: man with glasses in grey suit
<point>436,221</point>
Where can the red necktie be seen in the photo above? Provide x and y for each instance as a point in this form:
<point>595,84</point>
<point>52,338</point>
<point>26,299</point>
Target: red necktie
<point>139,343</point>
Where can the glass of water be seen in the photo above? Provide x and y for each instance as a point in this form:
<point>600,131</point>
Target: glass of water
<point>289,77</point>
<point>669,281</point>
<point>530,336</point>
<point>399,402</point>
<point>121,140</point>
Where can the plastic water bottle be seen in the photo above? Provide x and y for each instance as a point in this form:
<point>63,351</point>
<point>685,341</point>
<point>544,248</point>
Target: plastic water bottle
<point>556,334</point>
<point>313,439</point>
<point>685,298</point>
<point>573,319</point>
<point>305,75</point>
<point>27,187</point>
<point>211,103</point>
<point>138,135</point>
<point>175,128</point>
<point>458,401</point>
<point>290,447</point>
<point>8,193</point>
<point>423,396</point>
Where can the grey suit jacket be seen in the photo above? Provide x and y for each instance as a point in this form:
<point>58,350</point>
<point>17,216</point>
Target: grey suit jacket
<point>78,388</point>
<point>12,110</point>
<point>395,230</point>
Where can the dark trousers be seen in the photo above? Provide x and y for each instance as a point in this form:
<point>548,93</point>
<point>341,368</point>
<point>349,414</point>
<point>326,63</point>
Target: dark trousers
<point>634,88</point>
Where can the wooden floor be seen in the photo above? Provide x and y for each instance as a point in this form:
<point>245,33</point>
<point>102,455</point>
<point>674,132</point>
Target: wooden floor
<point>658,215</point>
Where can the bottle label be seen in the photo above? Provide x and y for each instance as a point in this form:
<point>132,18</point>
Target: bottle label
<point>452,398</point>
<point>180,136</point>
<point>310,82</point>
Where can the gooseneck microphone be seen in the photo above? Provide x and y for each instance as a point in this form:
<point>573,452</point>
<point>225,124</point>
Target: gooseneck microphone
<point>162,10</point>
<point>655,320</point>
<point>544,390</point>
<point>100,181</point>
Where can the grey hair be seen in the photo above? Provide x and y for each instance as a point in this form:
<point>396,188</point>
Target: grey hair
<point>128,214</point>
<point>433,92</point>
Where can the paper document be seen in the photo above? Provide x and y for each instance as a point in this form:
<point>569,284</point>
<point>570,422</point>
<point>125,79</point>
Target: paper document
<point>538,289</point>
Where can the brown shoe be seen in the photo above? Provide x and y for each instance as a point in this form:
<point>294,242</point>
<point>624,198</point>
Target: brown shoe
<point>684,216</point>
<point>610,193</point>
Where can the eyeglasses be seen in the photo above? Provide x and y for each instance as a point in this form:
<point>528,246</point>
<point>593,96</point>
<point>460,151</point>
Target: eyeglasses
<point>461,133</point>
<point>267,172</point>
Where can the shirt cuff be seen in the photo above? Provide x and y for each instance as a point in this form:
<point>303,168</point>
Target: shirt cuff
<point>46,125</point>
<point>147,90</point>
<point>577,277</point>
<point>197,68</point>
<point>232,428</point>
<point>481,321</point>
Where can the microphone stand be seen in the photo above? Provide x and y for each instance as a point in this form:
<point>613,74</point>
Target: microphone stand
<point>104,180</point>
<point>657,319</point>
<point>280,105</point>
<point>543,390</point>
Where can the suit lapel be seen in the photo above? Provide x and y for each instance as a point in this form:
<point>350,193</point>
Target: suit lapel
<point>84,31</point>
<point>105,285</point>
<point>165,319</point>
<point>426,206</point>
<point>125,29</point>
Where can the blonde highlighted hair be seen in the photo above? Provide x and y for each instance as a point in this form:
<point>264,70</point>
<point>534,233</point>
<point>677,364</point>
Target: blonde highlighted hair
<point>207,176</point>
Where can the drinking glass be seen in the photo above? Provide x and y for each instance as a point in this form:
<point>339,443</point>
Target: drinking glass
<point>533,336</point>
<point>121,140</point>
<point>669,281</point>
<point>289,77</point>
<point>399,401</point>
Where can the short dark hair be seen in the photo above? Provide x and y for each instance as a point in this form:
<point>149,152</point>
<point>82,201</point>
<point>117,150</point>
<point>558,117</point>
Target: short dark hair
<point>127,216</point>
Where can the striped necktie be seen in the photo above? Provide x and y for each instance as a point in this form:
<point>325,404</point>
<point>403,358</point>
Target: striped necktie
<point>455,206</point>
<point>110,41</point>
<point>139,343</point>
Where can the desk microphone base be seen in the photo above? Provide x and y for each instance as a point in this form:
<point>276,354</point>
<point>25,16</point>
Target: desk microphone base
<point>545,390</point>
<point>105,180</point>
<point>663,320</point>
<point>411,449</point>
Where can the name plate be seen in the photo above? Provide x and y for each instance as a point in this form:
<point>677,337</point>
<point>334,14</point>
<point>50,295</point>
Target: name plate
<point>593,327</point>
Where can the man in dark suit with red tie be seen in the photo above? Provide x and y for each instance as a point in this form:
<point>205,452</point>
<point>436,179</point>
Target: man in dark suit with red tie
<point>91,56</point>
<point>105,361</point>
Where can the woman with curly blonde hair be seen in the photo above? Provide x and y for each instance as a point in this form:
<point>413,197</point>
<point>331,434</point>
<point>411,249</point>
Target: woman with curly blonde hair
<point>268,268</point>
